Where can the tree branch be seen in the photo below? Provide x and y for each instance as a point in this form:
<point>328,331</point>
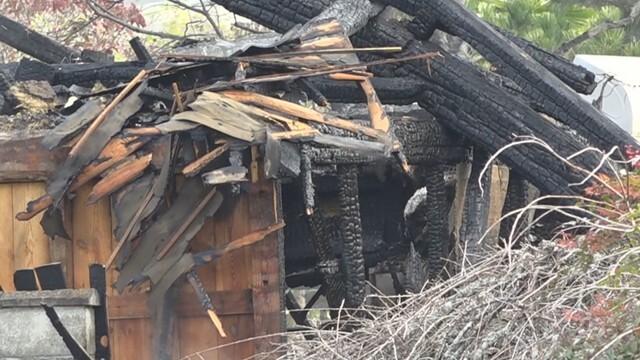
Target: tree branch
<point>100,11</point>
<point>203,12</point>
<point>599,29</point>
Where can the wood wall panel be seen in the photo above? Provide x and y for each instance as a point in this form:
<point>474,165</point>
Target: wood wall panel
<point>6,237</point>
<point>30,243</point>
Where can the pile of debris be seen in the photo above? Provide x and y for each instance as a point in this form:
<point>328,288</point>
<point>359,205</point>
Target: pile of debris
<point>183,115</point>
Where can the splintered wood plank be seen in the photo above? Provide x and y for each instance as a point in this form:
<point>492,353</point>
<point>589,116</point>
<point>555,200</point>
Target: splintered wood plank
<point>197,335</point>
<point>131,339</point>
<point>6,237</point>
<point>30,243</point>
<point>92,239</point>
<point>267,260</point>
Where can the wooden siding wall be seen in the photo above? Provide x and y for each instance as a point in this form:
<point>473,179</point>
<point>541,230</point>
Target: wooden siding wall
<point>231,281</point>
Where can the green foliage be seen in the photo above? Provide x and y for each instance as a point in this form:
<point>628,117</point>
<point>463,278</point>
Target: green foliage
<point>550,23</point>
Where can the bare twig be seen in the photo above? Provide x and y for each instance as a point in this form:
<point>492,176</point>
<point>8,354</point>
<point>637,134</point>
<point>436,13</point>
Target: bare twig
<point>599,29</point>
<point>102,12</point>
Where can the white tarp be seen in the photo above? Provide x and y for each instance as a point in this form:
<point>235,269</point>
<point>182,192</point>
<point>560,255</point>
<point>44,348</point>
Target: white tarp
<point>621,95</point>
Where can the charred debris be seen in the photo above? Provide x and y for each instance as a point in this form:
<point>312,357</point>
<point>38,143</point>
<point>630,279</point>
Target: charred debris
<point>172,137</point>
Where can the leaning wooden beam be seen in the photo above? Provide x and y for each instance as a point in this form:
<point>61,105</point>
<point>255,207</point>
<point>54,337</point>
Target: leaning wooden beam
<point>128,171</point>
<point>195,167</point>
<point>103,115</point>
<point>185,224</point>
<point>34,44</point>
<point>302,112</point>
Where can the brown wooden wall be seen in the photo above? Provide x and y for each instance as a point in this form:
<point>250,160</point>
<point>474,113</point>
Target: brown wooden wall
<point>236,282</point>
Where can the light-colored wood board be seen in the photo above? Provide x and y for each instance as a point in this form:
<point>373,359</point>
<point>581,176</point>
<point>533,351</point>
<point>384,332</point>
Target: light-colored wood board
<point>30,243</point>
<point>131,339</point>
<point>92,239</point>
<point>198,334</point>
<point>6,237</point>
<point>499,183</point>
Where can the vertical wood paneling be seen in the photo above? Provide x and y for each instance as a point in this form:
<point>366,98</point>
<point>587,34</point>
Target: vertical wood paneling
<point>131,339</point>
<point>6,237</point>
<point>198,334</point>
<point>266,281</point>
<point>62,249</point>
<point>30,244</point>
<point>92,240</point>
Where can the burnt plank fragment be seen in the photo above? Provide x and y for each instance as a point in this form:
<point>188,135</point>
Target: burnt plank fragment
<point>114,122</point>
<point>433,244</point>
<point>51,276</point>
<point>98,281</point>
<point>73,124</point>
<point>140,50</point>
<point>52,223</point>
<point>476,207</point>
<point>25,280</point>
<point>515,199</point>
<point>33,43</point>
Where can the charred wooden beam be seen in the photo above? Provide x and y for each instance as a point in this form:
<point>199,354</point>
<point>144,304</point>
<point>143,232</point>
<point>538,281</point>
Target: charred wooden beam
<point>351,232</point>
<point>558,100</point>
<point>34,44</point>
<point>457,94</point>
<point>433,244</point>
<point>515,199</point>
<point>476,208</point>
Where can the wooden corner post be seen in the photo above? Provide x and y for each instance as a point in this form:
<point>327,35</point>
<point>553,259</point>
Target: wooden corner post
<point>268,264</point>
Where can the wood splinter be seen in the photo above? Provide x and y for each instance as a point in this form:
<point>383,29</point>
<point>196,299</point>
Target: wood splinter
<point>130,170</point>
<point>195,167</point>
<point>205,301</point>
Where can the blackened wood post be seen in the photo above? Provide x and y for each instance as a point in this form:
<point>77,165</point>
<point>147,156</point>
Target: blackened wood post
<point>98,281</point>
<point>32,43</point>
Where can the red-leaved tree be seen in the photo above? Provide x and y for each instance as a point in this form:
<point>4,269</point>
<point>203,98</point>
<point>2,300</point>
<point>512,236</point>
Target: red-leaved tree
<point>75,23</point>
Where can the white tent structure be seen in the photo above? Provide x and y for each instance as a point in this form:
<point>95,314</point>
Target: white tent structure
<point>620,95</point>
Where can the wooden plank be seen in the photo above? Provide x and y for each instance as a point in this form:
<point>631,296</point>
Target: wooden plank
<point>233,271</point>
<point>134,306</point>
<point>194,333</point>
<point>25,159</point>
<point>6,237</point>
<point>240,330</point>
<point>267,262</point>
<point>30,243</point>
<point>92,240</point>
<point>131,339</point>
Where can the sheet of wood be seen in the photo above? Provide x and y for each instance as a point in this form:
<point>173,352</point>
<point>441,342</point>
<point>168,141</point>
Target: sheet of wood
<point>92,240</point>
<point>6,237</point>
<point>30,244</point>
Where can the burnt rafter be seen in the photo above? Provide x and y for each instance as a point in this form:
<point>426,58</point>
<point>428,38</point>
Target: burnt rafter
<point>455,92</point>
<point>558,100</point>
